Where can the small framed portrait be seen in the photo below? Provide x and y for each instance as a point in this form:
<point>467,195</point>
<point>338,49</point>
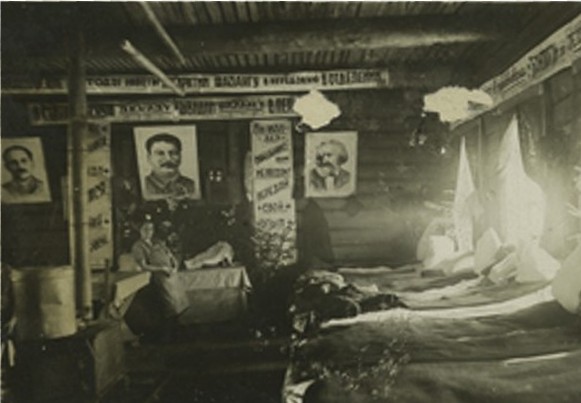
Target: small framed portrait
<point>24,178</point>
<point>330,164</point>
<point>167,160</point>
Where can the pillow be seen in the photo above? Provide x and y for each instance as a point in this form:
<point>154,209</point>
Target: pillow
<point>535,264</point>
<point>566,285</point>
<point>440,248</point>
<point>487,249</point>
<point>504,270</point>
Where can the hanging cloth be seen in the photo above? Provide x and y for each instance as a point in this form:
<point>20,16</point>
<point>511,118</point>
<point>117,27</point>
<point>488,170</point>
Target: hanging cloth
<point>520,201</point>
<point>463,198</point>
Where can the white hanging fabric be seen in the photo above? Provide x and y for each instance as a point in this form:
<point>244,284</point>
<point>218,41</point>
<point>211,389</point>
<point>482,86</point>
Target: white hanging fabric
<point>461,210</point>
<point>521,201</point>
<point>566,286</point>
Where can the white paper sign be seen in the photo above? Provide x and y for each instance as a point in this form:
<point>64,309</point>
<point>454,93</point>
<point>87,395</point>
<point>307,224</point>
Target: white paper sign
<point>98,174</point>
<point>213,83</point>
<point>274,207</point>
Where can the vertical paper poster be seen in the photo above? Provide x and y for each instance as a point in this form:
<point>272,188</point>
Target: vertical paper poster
<point>274,208</point>
<point>98,164</point>
<point>167,158</point>
<point>330,164</point>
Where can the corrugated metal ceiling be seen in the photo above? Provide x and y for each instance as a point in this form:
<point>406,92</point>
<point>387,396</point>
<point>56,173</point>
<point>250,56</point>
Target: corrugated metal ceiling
<point>40,48</point>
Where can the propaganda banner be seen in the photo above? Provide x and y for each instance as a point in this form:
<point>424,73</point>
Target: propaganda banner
<point>274,207</point>
<point>557,52</point>
<point>99,206</point>
<point>178,109</point>
<point>212,83</point>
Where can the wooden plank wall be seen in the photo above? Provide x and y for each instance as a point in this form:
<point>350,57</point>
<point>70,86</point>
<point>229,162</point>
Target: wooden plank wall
<point>382,222</point>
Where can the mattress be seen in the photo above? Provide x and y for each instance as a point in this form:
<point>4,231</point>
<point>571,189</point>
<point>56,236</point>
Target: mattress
<point>459,340</point>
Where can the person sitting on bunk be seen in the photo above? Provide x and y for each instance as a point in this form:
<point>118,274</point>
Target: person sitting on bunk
<point>152,254</point>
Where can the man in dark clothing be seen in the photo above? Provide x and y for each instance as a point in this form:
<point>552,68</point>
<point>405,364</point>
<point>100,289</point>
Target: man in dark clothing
<point>314,239</point>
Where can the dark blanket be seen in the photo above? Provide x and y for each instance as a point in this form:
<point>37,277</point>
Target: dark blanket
<point>533,355</point>
<point>324,296</point>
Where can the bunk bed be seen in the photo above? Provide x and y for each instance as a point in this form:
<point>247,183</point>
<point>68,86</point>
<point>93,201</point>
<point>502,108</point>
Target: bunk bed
<point>447,339</point>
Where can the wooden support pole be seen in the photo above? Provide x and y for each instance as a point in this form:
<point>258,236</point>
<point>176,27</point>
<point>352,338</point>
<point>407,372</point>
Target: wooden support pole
<point>147,64</point>
<point>161,31</point>
<point>77,134</point>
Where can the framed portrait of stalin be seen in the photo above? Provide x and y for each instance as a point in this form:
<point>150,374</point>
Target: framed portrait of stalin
<point>167,159</point>
<point>24,177</point>
<point>330,164</point>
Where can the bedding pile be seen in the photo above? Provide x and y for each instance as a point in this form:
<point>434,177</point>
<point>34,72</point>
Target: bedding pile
<point>320,296</point>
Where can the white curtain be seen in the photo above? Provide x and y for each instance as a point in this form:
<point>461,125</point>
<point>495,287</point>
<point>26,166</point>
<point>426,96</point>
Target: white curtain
<point>464,197</point>
<point>520,201</point>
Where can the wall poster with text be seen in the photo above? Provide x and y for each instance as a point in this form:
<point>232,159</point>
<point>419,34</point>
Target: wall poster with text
<point>99,202</point>
<point>274,207</point>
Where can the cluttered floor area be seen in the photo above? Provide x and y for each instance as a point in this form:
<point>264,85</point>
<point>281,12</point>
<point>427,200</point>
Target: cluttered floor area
<point>217,363</point>
<point>207,364</point>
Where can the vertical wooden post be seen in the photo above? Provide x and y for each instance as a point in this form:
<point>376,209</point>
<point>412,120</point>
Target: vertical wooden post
<point>77,133</point>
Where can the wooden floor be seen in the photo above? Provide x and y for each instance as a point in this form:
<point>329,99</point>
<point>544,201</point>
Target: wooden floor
<point>205,365</point>
<point>210,364</point>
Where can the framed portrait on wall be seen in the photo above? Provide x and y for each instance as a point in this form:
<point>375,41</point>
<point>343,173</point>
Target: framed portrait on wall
<point>24,177</point>
<point>330,164</point>
<point>167,161</point>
